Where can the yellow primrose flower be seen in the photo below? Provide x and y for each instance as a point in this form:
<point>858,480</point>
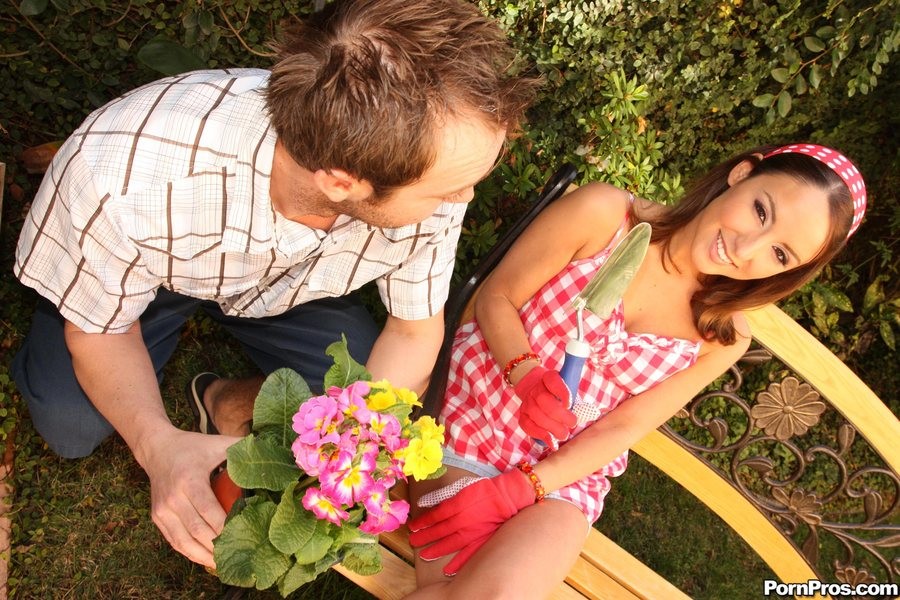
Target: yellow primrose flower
<point>407,397</point>
<point>422,458</point>
<point>382,396</point>
<point>430,430</point>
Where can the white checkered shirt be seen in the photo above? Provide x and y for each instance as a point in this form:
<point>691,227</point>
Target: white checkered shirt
<point>168,186</point>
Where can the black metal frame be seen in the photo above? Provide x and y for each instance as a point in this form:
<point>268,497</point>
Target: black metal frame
<point>456,305</point>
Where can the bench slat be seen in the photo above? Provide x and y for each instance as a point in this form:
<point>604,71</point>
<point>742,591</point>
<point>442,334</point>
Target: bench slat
<point>396,579</point>
<point>596,584</point>
<point>630,573</point>
<point>720,496</point>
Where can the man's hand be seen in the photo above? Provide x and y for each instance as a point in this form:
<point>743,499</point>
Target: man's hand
<point>184,507</point>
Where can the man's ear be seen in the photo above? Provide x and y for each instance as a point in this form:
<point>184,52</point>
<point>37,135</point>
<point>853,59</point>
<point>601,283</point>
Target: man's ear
<point>742,170</point>
<point>339,185</point>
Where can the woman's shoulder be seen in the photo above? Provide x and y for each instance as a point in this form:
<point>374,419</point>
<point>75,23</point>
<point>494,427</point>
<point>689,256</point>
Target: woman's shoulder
<point>601,199</point>
<point>596,209</point>
<point>603,202</point>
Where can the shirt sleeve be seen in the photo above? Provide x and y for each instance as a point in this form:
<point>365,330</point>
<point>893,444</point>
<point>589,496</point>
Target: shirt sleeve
<point>419,287</point>
<point>72,251</point>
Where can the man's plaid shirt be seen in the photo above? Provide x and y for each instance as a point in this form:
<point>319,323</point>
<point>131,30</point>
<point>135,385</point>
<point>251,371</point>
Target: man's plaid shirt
<point>168,186</point>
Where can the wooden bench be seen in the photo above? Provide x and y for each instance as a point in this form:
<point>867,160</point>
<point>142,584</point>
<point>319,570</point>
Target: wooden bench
<point>783,511</point>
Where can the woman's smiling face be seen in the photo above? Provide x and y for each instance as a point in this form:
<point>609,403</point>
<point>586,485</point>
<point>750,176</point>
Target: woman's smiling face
<point>760,226</point>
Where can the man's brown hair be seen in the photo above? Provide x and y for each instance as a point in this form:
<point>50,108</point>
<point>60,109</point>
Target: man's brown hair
<point>363,85</point>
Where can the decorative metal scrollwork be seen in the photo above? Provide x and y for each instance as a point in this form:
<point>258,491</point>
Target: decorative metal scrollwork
<point>802,465</point>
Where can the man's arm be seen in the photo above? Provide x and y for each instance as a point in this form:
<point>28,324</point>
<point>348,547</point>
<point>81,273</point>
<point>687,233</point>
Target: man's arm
<point>405,352</point>
<point>116,373</point>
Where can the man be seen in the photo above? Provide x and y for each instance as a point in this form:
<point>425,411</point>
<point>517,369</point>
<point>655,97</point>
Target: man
<point>265,199</point>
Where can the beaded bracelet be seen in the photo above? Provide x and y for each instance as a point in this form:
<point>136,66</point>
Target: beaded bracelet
<point>515,362</point>
<point>539,491</point>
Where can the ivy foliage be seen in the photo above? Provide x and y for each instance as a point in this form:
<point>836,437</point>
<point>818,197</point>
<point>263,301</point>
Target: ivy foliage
<point>640,94</point>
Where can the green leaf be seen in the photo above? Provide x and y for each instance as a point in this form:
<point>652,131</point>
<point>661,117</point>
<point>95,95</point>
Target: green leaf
<point>31,8</point>
<point>244,556</point>
<point>345,370</point>
<point>168,57</point>
<point>874,296</point>
<point>813,44</point>
<point>815,76</point>
<point>300,574</point>
<point>763,100</point>
<point>205,20</point>
<point>826,32</point>
<point>296,576</point>
<point>784,103</point>
<point>780,74</point>
<point>800,86</point>
<point>840,301</point>
<point>364,559</point>
<point>818,301</point>
<point>260,463</point>
<point>887,334</point>
<point>280,396</point>
<point>295,530</point>
<point>399,411</point>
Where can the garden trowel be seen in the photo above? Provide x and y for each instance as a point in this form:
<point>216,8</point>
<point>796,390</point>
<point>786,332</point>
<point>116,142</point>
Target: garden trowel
<point>601,295</point>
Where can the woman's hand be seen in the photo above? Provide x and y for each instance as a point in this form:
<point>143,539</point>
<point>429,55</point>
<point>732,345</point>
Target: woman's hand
<point>463,523</point>
<point>544,409</point>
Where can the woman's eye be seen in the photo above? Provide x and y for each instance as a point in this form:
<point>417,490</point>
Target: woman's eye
<point>760,211</point>
<point>781,256</point>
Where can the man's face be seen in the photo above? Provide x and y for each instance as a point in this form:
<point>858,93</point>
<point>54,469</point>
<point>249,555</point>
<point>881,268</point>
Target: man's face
<point>467,152</point>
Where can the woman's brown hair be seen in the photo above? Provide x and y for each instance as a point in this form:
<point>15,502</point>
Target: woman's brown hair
<point>363,85</point>
<point>720,297</point>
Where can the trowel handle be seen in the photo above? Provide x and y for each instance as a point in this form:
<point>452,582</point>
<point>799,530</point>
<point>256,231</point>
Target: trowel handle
<point>577,352</point>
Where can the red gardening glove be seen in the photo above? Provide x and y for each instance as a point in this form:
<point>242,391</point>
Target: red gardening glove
<point>463,523</point>
<point>544,410</point>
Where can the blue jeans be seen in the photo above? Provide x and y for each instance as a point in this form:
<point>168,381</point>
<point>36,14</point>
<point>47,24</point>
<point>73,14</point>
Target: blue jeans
<point>64,416</point>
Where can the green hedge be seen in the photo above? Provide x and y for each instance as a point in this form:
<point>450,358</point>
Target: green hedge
<point>641,94</point>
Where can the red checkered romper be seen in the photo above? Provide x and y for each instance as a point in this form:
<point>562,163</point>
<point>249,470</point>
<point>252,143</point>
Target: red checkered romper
<point>480,409</point>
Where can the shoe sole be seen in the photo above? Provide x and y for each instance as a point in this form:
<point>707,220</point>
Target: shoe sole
<point>194,393</point>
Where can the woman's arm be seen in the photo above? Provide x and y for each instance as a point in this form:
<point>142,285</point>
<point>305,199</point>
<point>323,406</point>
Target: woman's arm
<point>578,225</point>
<point>628,423</point>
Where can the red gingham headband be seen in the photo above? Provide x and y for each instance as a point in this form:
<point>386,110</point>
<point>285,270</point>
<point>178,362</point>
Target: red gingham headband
<point>841,165</point>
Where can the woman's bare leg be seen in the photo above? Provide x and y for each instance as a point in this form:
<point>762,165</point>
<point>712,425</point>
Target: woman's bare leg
<point>527,557</point>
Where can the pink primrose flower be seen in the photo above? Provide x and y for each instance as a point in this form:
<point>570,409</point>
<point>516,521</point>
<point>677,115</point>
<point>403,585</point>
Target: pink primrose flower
<point>322,506</point>
<point>387,515</point>
<point>391,472</point>
<point>317,421</point>
<point>350,480</point>
<point>352,400</point>
<point>385,428</point>
<point>308,457</point>
<point>378,495</point>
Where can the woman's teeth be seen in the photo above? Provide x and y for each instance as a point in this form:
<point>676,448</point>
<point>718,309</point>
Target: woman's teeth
<point>720,249</point>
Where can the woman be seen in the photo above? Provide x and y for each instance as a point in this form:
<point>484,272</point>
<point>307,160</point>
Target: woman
<point>750,232</point>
